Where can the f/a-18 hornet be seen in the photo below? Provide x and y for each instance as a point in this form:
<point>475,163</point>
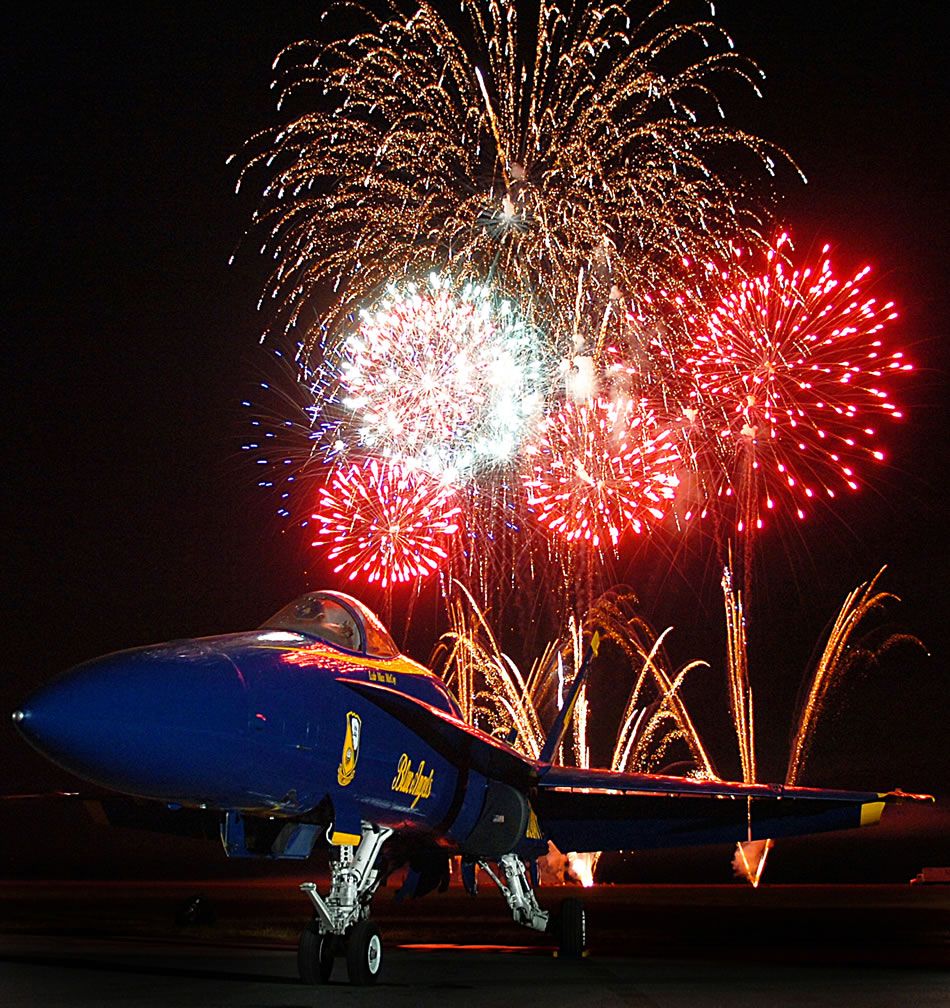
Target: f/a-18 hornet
<point>314,730</point>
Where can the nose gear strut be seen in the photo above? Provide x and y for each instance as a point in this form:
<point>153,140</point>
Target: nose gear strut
<point>340,925</point>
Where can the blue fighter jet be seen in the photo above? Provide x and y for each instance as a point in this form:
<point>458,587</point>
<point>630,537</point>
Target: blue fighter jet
<point>315,732</point>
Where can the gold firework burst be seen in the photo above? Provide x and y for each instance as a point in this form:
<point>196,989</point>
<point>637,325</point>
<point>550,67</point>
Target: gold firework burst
<point>575,159</point>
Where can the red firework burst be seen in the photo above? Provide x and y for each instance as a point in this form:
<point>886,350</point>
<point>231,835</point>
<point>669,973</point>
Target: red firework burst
<point>385,523</point>
<point>790,370</point>
<point>599,468</point>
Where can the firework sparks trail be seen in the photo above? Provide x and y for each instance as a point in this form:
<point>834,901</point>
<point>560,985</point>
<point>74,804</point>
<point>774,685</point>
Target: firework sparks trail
<point>648,727</point>
<point>582,144</point>
<point>488,685</point>
<point>750,857</point>
<point>599,468</point>
<point>792,367</point>
<point>442,380</point>
<point>737,674</point>
<point>494,694</point>
<point>840,654</point>
<point>385,524</point>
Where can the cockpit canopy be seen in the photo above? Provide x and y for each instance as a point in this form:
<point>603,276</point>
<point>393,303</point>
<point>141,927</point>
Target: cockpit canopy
<point>336,619</point>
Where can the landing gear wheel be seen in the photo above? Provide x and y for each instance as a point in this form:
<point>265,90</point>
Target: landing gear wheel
<point>570,929</point>
<point>364,953</point>
<point>315,955</point>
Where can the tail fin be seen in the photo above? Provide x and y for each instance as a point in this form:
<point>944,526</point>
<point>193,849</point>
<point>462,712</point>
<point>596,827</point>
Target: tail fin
<point>556,734</point>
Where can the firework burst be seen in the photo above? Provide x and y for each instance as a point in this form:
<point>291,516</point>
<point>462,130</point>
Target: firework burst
<point>442,380</point>
<point>599,468</point>
<point>565,180</point>
<point>384,524</point>
<point>790,372</point>
<point>574,153</point>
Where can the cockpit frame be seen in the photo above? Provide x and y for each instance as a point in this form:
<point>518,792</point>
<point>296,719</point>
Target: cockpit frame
<point>338,620</point>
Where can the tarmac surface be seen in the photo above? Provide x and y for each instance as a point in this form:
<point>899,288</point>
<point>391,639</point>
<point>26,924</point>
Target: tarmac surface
<point>89,972</point>
<point>124,945</point>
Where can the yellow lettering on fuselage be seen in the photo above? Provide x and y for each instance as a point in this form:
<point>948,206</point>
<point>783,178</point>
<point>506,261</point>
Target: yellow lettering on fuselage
<point>382,677</point>
<point>413,782</point>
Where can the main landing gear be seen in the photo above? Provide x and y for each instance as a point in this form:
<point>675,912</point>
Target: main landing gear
<point>568,926</point>
<point>340,927</point>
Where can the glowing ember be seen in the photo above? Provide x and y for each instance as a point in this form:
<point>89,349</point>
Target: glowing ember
<point>385,524</point>
<point>600,468</point>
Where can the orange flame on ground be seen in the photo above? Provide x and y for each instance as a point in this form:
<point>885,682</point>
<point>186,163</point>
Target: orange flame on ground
<point>582,866</point>
<point>750,858</point>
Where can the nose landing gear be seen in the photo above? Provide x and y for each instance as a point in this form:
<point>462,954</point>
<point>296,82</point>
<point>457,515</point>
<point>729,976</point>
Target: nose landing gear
<point>340,927</point>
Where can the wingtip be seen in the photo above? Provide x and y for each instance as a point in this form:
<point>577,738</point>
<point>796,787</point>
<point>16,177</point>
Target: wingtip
<point>897,795</point>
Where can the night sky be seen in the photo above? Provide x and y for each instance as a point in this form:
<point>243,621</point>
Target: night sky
<point>130,343</point>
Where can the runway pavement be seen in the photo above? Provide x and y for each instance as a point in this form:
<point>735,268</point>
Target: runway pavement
<point>83,973</point>
<point>82,944</point>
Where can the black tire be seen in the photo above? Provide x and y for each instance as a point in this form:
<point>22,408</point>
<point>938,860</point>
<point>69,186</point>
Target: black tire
<point>571,929</point>
<point>315,955</point>
<point>364,953</point>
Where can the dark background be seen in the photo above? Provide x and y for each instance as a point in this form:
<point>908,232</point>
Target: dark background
<point>130,343</point>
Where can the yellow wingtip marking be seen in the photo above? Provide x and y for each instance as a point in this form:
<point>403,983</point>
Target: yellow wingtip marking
<point>595,643</point>
<point>871,813</point>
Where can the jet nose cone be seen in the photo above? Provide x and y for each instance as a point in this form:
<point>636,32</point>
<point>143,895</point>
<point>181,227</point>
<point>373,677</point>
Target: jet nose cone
<point>157,722</point>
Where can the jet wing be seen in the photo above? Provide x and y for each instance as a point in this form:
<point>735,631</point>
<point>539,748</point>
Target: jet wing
<point>592,810</point>
<point>132,813</point>
<point>457,741</point>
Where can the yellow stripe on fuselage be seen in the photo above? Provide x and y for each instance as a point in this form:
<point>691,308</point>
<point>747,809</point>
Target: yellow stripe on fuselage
<point>400,664</point>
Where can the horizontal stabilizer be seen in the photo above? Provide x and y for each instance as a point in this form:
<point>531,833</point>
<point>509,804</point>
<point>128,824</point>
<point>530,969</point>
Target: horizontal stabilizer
<point>457,741</point>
